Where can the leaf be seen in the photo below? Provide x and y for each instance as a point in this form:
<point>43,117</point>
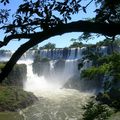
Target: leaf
<point>69,17</point>
<point>7,1</point>
<point>78,1</point>
<point>84,9</point>
<point>66,20</point>
<point>4,3</point>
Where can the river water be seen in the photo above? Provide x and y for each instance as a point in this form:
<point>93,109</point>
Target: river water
<point>53,102</point>
<point>60,104</point>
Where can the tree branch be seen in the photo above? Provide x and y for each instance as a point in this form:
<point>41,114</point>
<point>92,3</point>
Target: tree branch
<point>80,26</point>
<point>20,51</point>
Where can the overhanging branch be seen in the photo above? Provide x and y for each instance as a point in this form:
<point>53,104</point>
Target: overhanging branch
<point>79,26</point>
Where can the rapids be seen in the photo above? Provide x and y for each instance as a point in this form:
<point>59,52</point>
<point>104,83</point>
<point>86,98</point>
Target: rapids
<point>53,102</point>
<point>60,104</point>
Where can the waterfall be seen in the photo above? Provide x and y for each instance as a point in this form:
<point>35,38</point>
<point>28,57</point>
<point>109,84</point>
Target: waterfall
<point>54,101</point>
<point>35,82</point>
<point>59,53</point>
<point>55,80</point>
<point>71,69</point>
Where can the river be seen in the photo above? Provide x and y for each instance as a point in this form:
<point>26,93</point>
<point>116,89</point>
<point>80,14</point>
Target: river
<point>60,104</point>
<point>54,103</point>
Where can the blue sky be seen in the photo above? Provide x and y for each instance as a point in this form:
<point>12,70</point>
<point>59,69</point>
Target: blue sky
<point>60,41</point>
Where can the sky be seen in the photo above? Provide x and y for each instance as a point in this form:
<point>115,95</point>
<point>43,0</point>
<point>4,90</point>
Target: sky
<point>60,41</point>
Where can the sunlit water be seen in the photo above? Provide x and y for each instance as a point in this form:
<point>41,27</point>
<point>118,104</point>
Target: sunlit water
<point>61,104</point>
<point>53,102</point>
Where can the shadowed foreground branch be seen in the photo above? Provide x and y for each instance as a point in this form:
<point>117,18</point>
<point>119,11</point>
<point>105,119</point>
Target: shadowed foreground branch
<point>35,38</point>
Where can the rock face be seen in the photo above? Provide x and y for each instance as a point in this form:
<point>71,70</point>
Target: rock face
<point>15,98</point>
<point>41,67</point>
<point>59,67</point>
<point>12,96</point>
<point>73,83</point>
<point>16,76</point>
<point>44,68</point>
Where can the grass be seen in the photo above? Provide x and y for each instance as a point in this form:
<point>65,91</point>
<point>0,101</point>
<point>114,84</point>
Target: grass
<point>10,115</point>
<point>13,98</point>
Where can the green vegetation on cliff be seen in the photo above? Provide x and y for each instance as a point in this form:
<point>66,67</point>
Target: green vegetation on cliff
<point>105,70</point>
<point>106,66</point>
<point>97,111</point>
<point>16,76</point>
<point>76,44</point>
<point>48,46</point>
<point>109,68</point>
<point>94,72</point>
<point>14,98</point>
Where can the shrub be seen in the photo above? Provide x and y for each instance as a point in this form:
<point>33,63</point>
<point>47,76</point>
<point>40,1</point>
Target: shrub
<point>96,111</point>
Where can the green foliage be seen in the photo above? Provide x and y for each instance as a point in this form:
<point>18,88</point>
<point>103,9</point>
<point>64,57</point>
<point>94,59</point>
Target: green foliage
<point>96,111</point>
<point>85,36</point>
<point>94,72</point>
<point>111,98</point>
<point>14,98</point>
<point>114,67</point>
<point>106,65</point>
<point>11,116</point>
<point>108,11</point>
<point>2,65</point>
<point>107,42</point>
<point>48,46</point>
<point>76,44</point>
<point>103,60</point>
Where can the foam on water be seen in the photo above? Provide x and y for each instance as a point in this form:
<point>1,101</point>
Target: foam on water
<point>53,102</point>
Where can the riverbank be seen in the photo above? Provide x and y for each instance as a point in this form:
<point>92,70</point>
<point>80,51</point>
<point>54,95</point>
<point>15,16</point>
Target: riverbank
<point>10,116</point>
<point>14,98</point>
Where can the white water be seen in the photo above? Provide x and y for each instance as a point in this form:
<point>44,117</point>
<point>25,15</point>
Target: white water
<point>54,103</point>
<point>62,104</point>
<point>54,81</point>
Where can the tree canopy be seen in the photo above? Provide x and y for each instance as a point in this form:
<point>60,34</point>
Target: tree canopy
<point>38,20</point>
<point>48,46</point>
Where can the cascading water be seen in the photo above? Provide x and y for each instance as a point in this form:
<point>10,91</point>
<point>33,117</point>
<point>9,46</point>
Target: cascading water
<point>54,80</point>
<point>54,103</point>
<point>35,82</point>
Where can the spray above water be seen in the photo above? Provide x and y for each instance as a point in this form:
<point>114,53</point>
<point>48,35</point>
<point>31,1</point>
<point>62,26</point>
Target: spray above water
<point>35,82</point>
<point>54,102</point>
<point>52,82</point>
